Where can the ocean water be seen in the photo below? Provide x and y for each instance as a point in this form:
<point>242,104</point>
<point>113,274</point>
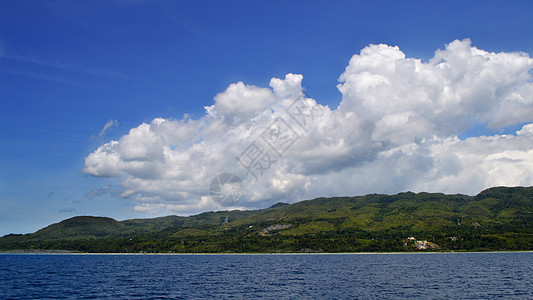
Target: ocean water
<point>309,276</point>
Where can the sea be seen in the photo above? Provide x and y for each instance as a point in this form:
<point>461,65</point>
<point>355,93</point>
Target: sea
<point>507,275</point>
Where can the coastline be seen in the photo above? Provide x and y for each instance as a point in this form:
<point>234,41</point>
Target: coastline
<point>64,252</point>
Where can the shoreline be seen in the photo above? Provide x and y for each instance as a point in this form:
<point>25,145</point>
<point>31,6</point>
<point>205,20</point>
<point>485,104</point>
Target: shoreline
<point>64,252</point>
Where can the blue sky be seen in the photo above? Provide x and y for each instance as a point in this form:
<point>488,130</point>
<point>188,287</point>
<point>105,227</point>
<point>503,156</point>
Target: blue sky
<point>69,67</point>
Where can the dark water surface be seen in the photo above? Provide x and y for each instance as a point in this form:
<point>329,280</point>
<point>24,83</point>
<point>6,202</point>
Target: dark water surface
<point>377,276</point>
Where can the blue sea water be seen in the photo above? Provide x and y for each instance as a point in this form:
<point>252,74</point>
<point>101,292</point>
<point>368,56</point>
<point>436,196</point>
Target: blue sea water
<point>362,276</point>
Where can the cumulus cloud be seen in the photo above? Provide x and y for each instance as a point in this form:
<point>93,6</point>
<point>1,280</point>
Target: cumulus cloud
<point>240,102</point>
<point>396,128</point>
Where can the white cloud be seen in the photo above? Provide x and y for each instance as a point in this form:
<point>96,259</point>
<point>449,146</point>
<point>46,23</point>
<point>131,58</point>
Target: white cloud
<point>239,102</point>
<point>107,126</point>
<point>526,130</point>
<point>395,129</point>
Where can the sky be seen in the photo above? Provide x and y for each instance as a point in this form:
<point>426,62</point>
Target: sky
<point>131,109</point>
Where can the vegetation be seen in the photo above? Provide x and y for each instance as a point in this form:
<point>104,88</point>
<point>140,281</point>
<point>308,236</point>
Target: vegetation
<point>499,218</point>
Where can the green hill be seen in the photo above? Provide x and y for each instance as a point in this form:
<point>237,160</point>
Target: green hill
<point>499,218</point>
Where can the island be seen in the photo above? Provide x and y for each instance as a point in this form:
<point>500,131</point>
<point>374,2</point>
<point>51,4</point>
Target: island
<point>497,219</point>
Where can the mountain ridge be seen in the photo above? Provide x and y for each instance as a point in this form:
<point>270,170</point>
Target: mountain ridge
<point>498,218</point>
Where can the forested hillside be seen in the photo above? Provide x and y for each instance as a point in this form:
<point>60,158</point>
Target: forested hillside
<point>499,218</point>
